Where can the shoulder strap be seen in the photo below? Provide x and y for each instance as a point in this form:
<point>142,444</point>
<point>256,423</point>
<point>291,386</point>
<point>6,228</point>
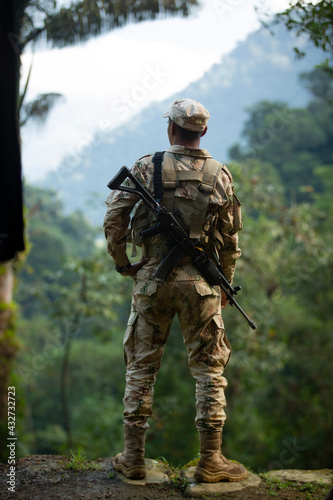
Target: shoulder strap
<point>207,177</point>
<point>210,173</point>
<point>157,177</point>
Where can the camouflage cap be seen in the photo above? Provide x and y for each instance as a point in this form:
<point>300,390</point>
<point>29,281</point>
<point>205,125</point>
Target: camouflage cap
<point>188,114</point>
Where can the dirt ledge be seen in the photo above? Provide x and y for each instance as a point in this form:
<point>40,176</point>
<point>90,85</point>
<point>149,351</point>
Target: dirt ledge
<point>49,476</point>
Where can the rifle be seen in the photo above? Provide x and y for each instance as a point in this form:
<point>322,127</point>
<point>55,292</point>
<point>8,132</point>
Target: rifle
<point>172,224</point>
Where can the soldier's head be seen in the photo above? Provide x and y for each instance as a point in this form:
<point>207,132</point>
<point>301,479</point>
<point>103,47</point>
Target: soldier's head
<point>187,122</point>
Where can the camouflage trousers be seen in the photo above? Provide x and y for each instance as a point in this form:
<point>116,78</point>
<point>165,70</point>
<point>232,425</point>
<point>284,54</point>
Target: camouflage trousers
<point>154,306</point>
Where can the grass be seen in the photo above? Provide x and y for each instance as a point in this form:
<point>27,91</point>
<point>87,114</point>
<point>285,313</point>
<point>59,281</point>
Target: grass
<point>80,462</point>
<point>312,490</point>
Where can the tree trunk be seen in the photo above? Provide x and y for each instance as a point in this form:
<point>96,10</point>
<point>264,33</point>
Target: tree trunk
<point>63,392</point>
<point>11,199</point>
<point>11,203</point>
<point>7,347</point>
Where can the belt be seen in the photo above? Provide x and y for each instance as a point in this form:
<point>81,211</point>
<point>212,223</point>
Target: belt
<point>155,250</point>
<point>160,251</point>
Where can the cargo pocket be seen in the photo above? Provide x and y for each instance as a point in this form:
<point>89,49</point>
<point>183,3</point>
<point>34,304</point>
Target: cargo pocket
<point>204,289</point>
<point>223,347</point>
<point>128,343</point>
<point>146,288</point>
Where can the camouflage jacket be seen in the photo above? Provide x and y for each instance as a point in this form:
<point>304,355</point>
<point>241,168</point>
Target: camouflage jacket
<point>223,200</point>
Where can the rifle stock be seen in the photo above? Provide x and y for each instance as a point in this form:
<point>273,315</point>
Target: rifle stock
<point>170,223</point>
<point>119,178</point>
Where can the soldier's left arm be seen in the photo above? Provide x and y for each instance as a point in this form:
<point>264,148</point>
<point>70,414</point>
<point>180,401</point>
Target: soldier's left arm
<point>117,217</point>
<point>115,225</point>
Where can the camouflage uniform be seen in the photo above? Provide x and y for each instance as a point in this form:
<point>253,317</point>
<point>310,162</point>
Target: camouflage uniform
<point>186,293</point>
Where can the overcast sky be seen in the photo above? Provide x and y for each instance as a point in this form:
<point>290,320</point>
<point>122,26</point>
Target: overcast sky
<point>108,79</point>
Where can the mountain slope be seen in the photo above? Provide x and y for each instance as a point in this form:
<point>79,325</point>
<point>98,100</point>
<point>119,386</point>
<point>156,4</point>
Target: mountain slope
<point>263,67</point>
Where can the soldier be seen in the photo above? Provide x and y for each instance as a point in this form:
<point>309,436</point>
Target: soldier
<point>186,178</point>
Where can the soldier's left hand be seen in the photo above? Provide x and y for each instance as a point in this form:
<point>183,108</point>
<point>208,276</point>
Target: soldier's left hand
<point>224,300</point>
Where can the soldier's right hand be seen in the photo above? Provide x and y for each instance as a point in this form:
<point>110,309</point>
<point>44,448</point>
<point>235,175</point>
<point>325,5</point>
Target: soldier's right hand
<point>135,267</point>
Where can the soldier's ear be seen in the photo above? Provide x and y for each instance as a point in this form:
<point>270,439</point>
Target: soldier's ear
<point>204,132</point>
<point>173,128</point>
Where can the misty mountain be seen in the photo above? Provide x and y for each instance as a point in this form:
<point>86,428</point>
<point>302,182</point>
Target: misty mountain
<point>263,67</point>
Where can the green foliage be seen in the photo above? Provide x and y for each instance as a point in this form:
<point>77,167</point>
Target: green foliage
<point>177,479</point>
<point>279,377</point>
<point>51,236</point>
<point>314,19</point>
<point>39,108</point>
<point>71,325</point>
<point>74,309</point>
<point>80,20</point>
<point>289,143</point>
<point>8,348</point>
<point>319,83</point>
<point>313,490</point>
<point>79,462</point>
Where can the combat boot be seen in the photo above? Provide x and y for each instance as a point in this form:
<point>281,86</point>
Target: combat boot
<point>131,461</point>
<point>213,466</point>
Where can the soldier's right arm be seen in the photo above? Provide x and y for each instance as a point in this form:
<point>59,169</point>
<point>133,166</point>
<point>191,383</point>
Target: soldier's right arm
<point>229,224</point>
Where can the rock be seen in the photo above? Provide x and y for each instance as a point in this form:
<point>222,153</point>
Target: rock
<point>197,489</point>
<point>49,467</point>
<point>324,476</point>
<point>156,474</point>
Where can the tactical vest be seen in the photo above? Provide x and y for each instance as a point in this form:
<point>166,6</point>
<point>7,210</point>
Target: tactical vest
<point>188,191</point>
